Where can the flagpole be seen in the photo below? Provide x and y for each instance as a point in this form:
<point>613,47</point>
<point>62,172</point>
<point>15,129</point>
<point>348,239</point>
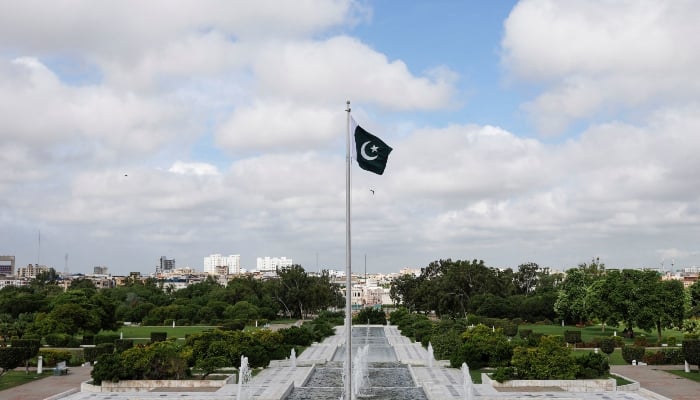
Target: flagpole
<point>348,269</point>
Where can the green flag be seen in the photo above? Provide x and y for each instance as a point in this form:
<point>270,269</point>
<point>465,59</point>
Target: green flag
<point>372,152</point>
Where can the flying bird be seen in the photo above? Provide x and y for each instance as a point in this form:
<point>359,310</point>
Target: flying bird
<point>372,190</point>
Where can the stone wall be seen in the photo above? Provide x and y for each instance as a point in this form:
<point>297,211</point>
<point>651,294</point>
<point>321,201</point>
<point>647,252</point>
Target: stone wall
<point>577,385</point>
<point>147,385</point>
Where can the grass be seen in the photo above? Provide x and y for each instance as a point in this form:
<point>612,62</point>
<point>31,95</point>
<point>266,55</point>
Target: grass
<point>615,357</point>
<point>692,375</point>
<point>144,332</point>
<point>15,378</point>
<point>179,332</point>
<point>588,333</point>
<point>620,381</point>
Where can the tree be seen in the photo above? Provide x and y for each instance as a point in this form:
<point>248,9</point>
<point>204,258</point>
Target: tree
<point>243,311</point>
<point>694,293</point>
<point>572,302</point>
<point>526,278</point>
<point>671,306</point>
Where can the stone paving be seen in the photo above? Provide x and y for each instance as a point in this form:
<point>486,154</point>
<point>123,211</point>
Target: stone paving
<point>437,381</point>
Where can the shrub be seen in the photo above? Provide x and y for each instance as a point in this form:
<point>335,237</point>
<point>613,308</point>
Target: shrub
<point>444,344</point>
<point>105,338</point>
<point>88,339</point>
<point>654,358</point>
<point>482,347</point>
<point>591,366</point>
<point>30,347</point>
<point>322,329</point>
<point>108,368</point>
<point>630,353</point>
<point>691,351</point>
<point>298,336</point>
<point>61,340</point>
<point>123,344</point>
<point>572,337</point>
<point>607,345</point>
<point>525,333</point>
<point>51,356</point>
<point>641,340</point>
<point>233,325</point>
<point>10,358</point>
<point>550,360</point>
<point>503,374</point>
<point>159,336</point>
<point>510,329</point>
<point>673,356</point>
<point>375,316</point>
<point>92,354</point>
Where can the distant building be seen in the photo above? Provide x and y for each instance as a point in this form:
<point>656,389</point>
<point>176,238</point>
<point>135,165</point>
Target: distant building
<point>165,266</point>
<point>7,265</point>
<point>100,270</point>
<point>31,271</point>
<point>272,264</point>
<point>216,264</point>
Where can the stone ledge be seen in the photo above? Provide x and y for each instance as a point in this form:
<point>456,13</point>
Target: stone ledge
<point>576,385</point>
<point>148,385</point>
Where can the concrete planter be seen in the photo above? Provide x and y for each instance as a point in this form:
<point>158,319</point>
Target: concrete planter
<point>576,385</point>
<point>147,385</point>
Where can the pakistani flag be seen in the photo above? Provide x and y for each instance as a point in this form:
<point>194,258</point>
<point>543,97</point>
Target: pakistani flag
<point>372,152</point>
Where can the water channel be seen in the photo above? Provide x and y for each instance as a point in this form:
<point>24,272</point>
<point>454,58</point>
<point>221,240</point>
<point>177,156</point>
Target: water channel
<point>387,378</point>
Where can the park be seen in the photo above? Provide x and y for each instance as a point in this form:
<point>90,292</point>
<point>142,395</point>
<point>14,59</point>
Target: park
<point>482,328</point>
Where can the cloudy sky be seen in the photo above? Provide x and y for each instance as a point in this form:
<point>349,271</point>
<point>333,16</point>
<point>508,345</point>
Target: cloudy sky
<point>523,131</point>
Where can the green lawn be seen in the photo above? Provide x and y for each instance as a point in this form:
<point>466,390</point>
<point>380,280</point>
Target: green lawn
<point>16,378</point>
<point>590,332</point>
<point>144,332</point>
<point>693,375</point>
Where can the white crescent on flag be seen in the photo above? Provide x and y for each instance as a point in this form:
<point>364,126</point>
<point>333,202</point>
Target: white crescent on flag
<point>364,153</point>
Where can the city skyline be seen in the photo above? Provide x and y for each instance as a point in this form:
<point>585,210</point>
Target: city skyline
<point>522,131</point>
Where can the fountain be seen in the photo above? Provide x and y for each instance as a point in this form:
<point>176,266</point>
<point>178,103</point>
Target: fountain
<point>293,359</point>
<point>374,361</point>
<point>360,376</point>
<point>244,376</point>
<point>468,386</point>
<point>430,355</point>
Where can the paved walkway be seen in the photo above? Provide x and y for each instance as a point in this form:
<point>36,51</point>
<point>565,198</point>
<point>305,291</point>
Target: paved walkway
<point>655,379</point>
<point>52,387</point>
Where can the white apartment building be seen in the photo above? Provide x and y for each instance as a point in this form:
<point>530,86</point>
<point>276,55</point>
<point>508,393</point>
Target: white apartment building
<point>215,264</point>
<point>272,264</point>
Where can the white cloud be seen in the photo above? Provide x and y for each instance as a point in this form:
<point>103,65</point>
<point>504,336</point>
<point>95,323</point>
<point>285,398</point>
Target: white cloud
<point>195,168</point>
<point>594,56</point>
<point>341,68</point>
<point>280,126</point>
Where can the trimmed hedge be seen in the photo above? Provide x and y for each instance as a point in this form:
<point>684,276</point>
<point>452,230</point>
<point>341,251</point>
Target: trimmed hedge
<point>691,351</point>
<point>105,338</point>
<point>572,337</point>
<point>664,357</point>
<point>630,353</point>
<point>51,356</point>
<point>121,345</point>
<point>159,337</point>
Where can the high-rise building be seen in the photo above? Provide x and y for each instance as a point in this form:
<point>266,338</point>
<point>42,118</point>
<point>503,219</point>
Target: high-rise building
<point>216,264</point>
<point>7,265</point>
<point>165,265</point>
<point>272,264</point>
<point>100,270</point>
